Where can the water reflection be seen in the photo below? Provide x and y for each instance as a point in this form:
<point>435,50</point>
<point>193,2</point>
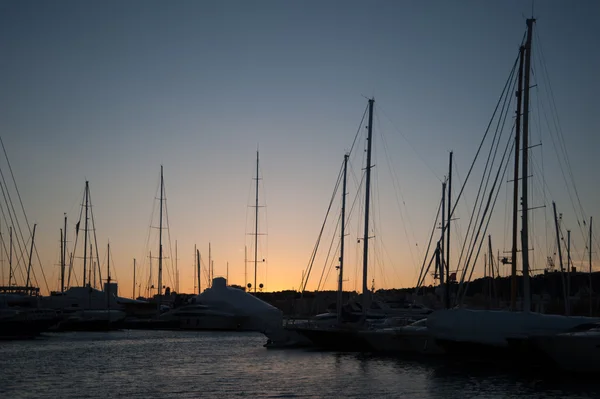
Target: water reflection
<point>166,364</point>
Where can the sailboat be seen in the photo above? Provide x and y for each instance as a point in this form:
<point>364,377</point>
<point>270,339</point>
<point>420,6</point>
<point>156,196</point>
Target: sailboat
<point>221,307</point>
<point>85,307</point>
<point>341,335</point>
<point>500,334</point>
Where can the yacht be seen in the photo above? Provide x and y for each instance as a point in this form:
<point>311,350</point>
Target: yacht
<point>19,318</point>
<point>221,307</point>
<point>496,334</point>
<point>412,338</point>
<point>574,351</point>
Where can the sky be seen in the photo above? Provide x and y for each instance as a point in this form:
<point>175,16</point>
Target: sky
<point>109,91</point>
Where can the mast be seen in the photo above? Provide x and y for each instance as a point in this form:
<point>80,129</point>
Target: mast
<point>30,255</point>
<point>108,276</point>
<point>447,290</point>
<point>63,262</point>
<point>256,226</point>
<point>491,266</point>
<point>199,270</point>
<point>524,215</point>
<point>150,284</point>
<point>440,248</point>
<point>245,267</point>
<point>569,269</point>
<point>365,289</point>
<point>10,270</point>
<point>227,273</point>
<point>133,295</point>
<point>513,264</point>
<point>176,270</point>
<point>93,269</point>
<point>160,249</point>
<point>342,235</point>
<point>590,257</point>
<point>62,258</point>
<point>85,232</point>
<point>210,277</point>
<point>562,270</point>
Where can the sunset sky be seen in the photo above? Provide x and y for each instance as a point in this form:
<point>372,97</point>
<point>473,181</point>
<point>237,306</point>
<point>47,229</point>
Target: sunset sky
<point>110,91</point>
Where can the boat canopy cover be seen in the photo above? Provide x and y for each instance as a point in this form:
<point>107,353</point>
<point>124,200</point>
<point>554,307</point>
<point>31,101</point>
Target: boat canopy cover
<point>493,327</point>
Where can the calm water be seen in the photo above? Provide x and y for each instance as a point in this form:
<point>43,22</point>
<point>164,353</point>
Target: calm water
<point>166,364</point>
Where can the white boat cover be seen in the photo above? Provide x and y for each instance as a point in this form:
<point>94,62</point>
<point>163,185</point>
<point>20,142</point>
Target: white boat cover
<point>262,316</point>
<point>493,327</point>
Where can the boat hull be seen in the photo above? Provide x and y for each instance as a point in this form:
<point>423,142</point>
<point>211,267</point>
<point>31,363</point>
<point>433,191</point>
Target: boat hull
<point>347,340</point>
<point>399,341</point>
<point>24,329</point>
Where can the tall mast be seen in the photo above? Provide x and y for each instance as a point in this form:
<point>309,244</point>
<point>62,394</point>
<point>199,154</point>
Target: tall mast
<point>569,269</point>
<point>199,270</point>
<point>10,270</point>
<point>108,276</point>
<point>85,231</point>
<point>93,269</point>
<point>447,263</point>
<point>365,289</point>
<point>524,215</point>
<point>63,262</point>
<point>245,267</point>
<point>151,283</point>
<point>562,270</point>
<point>210,276</point>
<point>342,235</point>
<point>176,270</point>
<point>590,257</point>
<point>30,255</point>
<point>491,266</point>
<point>62,259</point>
<point>515,231</point>
<point>440,259</point>
<point>133,295</point>
<point>227,274</point>
<point>256,226</point>
<point>160,249</point>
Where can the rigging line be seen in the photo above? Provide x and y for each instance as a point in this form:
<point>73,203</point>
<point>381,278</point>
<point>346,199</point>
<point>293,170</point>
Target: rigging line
<point>560,163</point>
<point>560,135</point>
<point>546,75</point>
<point>71,271</point>
<point>398,191</point>
<point>543,174</point>
<point>504,90</point>
<point>500,179</point>
<point>475,236</point>
<point>312,257</point>
<point>358,131</point>
<point>20,253</point>
<point>94,230</point>
<point>488,172</point>
<point>426,271</point>
<point>493,145</point>
<point>266,227</point>
<point>22,208</point>
<point>170,265</point>
<point>327,258</point>
<point>421,275</point>
<point>410,144</point>
<point>146,249</point>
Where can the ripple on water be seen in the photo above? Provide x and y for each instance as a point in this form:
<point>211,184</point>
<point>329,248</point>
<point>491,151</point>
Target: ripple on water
<point>170,364</point>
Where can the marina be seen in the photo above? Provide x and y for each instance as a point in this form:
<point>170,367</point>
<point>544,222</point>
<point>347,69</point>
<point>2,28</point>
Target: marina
<point>432,239</point>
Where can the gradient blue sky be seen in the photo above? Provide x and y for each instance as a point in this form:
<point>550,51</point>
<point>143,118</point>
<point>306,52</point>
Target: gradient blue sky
<point>108,91</point>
